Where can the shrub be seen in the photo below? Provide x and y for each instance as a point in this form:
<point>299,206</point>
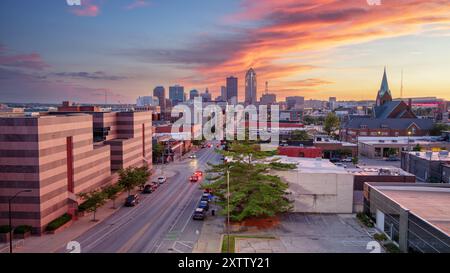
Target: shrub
<point>392,248</point>
<point>5,229</point>
<point>380,237</point>
<point>22,229</point>
<point>364,219</point>
<point>58,222</point>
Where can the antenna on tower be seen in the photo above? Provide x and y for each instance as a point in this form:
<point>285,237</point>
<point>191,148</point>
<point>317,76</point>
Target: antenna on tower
<point>267,87</point>
<point>401,87</point>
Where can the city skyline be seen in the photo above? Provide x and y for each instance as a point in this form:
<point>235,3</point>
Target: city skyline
<point>50,51</point>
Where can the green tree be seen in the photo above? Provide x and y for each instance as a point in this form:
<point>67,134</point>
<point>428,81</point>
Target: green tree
<point>128,179</point>
<point>417,148</point>
<point>112,192</point>
<point>93,200</point>
<point>355,160</point>
<point>299,135</point>
<point>142,174</point>
<point>308,120</point>
<point>331,124</point>
<point>438,128</point>
<point>254,192</point>
<point>158,151</point>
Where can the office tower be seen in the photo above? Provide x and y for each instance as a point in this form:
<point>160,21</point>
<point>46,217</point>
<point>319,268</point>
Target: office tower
<point>295,102</point>
<point>232,90</point>
<point>223,93</point>
<point>176,94</point>
<point>332,102</point>
<point>160,93</point>
<point>250,87</point>
<point>193,93</point>
<point>206,96</point>
<point>268,98</point>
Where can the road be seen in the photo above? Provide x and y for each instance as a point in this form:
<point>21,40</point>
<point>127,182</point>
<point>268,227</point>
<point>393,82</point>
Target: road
<point>161,222</point>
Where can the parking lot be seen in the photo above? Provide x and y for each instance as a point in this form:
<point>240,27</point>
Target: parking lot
<point>316,233</point>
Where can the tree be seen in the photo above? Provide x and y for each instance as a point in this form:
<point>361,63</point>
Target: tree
<point>93,200</point>
<point>438,128</point>
<point>299,135</point>
<point>112,192</point>
<point>331,124</point>
<point>355,160</point>
<point>158,151</point>
<point>253,191</point>
<point>142,174</point>
<point>417,148</point>
<point>127,179</point>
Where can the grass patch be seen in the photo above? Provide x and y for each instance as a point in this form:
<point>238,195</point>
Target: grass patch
<point>380,237</point>
<point>233,241</point>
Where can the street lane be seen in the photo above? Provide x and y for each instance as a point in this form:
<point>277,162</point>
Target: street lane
<point>161,222</point>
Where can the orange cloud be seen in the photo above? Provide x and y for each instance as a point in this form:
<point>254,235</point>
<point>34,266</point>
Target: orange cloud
<point>296,27</point>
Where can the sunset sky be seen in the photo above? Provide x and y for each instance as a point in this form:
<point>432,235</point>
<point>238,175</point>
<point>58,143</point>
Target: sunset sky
<point>50,51</point>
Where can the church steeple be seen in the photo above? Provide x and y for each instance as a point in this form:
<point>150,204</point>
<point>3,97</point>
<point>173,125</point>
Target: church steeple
<point>384,94</point>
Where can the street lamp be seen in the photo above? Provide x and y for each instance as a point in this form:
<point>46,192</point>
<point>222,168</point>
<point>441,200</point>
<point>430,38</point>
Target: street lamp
<point>228,207</point>
<point>10,219</point>
<point>409,144</point>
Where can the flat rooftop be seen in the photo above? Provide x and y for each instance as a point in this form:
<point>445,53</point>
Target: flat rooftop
<point>311,165</point>
<point>378,170</point>
<point>433,156</point>
<point>429,203</point>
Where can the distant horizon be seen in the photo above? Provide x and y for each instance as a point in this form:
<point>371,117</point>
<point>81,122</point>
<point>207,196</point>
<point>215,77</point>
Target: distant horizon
<point>50,51</point>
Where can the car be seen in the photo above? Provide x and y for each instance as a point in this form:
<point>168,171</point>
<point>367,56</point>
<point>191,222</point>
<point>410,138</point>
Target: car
<point>205,197</point>
<point>147,189</point>
<point>335,159</point>
<point>198,173</point>
<point>392,158</point>
<point>154,185</point>
<point>207,190</point>
<point>339,164</point>
<point>193,178</point>
<point>193,156</point>
<point>347,159</point>
<point>199,214</point>
<point>132,200</point>
<point>204,205</point>
<point>162,179</point>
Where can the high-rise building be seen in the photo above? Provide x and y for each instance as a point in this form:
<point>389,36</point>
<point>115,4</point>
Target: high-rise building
<point>232,90</point>
<point>268,98</point>
<point>193,93</point>
<point>295,102</point>
<point>332,101</point>
<point>176,94</point>
<point>160,93</point>
<point>223,93</point>
<point>206,96</point>
<point>250,87</point>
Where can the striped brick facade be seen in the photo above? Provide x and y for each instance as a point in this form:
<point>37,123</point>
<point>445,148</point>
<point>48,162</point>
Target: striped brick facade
<point>56,157</point>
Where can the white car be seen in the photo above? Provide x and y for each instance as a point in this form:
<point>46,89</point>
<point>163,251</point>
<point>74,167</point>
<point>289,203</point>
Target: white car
<point>193,156</point>
<point>162,179</point>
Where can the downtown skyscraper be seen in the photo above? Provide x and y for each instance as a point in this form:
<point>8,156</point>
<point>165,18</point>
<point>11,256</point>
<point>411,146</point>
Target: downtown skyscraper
<point>232,90</point>
<point>176,94</point>
<point>250,87</point>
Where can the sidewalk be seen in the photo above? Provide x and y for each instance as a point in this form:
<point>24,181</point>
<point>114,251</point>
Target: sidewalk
<point>49,243</point>
<point>210,240</point>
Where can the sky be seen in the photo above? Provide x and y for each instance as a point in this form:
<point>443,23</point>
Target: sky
<point>51,51</point>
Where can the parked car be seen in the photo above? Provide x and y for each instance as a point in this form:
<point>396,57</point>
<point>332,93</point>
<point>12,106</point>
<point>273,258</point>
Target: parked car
<point>204,205</point>
<point>392,158</point>
<point>339,164</point>
<point>132,200</point>
<point>147,189</point>
<point>154,185</point>
<point>193,156</point>
<point>199,214</point>
<point>335,159</point>
<point>162,179</point>
<point>205,197</point>
<point>347,159</point>
<point>193,178</point>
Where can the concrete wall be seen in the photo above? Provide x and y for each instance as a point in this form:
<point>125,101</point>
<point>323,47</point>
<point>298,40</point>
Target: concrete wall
<point>320,192</point>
